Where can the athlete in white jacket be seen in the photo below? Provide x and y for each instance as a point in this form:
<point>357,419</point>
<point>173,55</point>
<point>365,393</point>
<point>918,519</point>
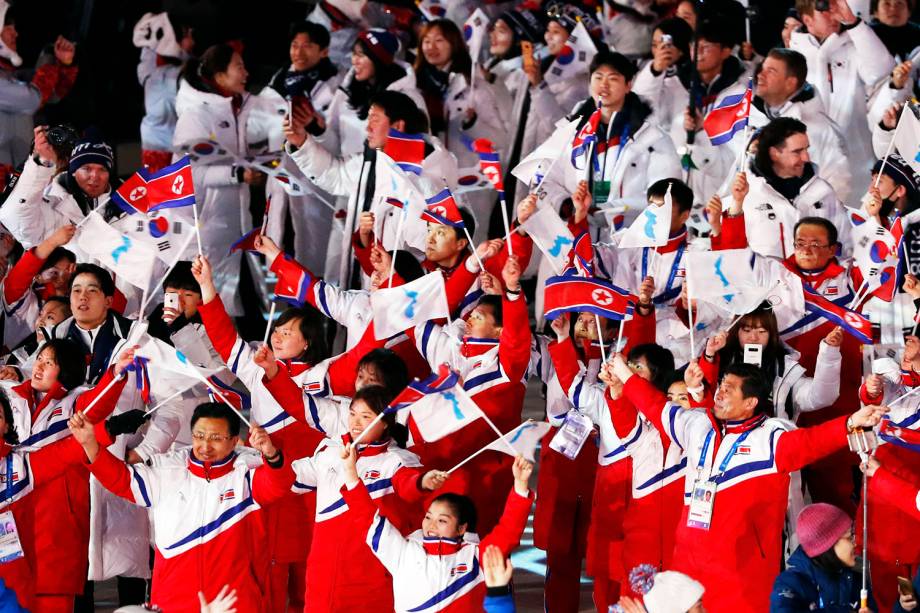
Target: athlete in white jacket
<point>846,64</point>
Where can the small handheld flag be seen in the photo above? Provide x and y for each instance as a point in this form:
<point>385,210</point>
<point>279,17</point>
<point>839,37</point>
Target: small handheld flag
<point>145,191</point>
<point>730,117</point>
<point>407,150</point>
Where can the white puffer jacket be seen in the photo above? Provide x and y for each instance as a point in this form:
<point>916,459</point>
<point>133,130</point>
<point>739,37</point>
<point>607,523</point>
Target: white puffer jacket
<point>223,202</point>
<point>847,70</point>
<point>825,139</point>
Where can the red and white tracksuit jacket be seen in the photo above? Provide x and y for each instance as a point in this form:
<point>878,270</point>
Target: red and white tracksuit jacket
<point>890,553</point>
<point>207,522</point>
<point>738,557</point>
<point>658,473</point>
<point>31,473</point>
<point>63,508</point>
<point>565,487</point>
<point>21,303</point>
<point>493,373</point>
<point>829,480</point>
<point>469,293</point>
<point>576,374</point>
<point>342,573</point>
<point>432,574</point>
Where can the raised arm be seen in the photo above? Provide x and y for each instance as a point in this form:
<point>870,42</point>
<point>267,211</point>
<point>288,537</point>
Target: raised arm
<point>506,535</point>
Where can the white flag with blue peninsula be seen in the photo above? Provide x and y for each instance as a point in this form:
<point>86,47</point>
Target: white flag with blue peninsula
<point>129,258</point>
<point>399,308</point>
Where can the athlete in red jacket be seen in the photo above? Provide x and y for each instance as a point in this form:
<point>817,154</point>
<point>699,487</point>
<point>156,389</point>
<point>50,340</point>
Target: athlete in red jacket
<point>737,483</point>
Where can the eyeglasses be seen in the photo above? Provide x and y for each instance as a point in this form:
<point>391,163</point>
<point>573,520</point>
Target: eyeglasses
<point>211,438</point>
<point>814,246</point>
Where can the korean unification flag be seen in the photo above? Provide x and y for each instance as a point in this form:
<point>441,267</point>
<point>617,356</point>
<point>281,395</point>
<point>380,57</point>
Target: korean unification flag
<point>719,276</point>
<point>399,308</point>
<point>439,406</point>
<point>554,147</point>
<point>169,368</point>
<point>651,227</point>
<point>523,439</point>
<point>130,259</point>
<point>907,138</point>
<point>551,235</point>
<point>574,58</point>
<point>474,32</point>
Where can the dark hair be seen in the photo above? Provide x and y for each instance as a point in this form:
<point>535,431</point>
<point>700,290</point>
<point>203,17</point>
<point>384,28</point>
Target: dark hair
<point>715,31</point>
<point>774,134</point>
<point>215,60</point>
<point>911,5</point>
<point>462,507</point>
<point>680,32</point>
<point>181,277</point>
<point>312,330</point>
<point>103,278</point>
<point>460,60</point>
<point>773,360</point>
<point>660,363</point>
<point>675,376</point>
<point>70,359</point>
<point>377,397</point>
<point>829,227</point>
<point>62,300</point>
<point>753,385</point>
<point>617,61</point>
<point>57,254</point>
<point>407,267</point>
<point>795,63</point>
<point>829,561</point>
<point>11,437</point>
<point>316,32</point>
<point>681,193</point>
<point>217,410</point>
<point>469,221</point>
<point>389,367</point>
<point>398,106</point>
<point>495,306</point>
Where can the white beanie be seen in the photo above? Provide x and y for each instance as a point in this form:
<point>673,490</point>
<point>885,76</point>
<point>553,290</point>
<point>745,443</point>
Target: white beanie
<point>154,31</point>
<point>5,51</point>
<point>672,592</point>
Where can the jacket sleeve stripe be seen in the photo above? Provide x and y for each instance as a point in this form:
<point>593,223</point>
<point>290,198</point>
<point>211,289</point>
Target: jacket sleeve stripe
<point>378,531</point>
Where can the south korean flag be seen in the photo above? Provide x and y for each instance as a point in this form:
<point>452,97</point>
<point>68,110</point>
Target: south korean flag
<point>170,231</point>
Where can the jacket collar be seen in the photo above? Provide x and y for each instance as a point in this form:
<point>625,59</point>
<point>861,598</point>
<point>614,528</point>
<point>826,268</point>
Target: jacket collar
<point>814,277</point>
<point>25,391</point>
<point>210,470</point>
<point>675,241</point>
<point>440,546</point>
<point>366,450</point>
<point>477,346</point>
<point>737,426</point>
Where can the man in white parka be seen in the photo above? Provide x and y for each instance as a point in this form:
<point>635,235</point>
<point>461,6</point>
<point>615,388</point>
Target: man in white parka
<point>782,91</point>
<point>846,63</point>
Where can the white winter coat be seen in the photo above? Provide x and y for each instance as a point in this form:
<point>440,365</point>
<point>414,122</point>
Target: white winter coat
<point>18,102</point>
<point>825,139</point>
<point>768,215</point>
<point>222,201</point>
<point>160,83</point>
<point>348,176</point>
<point>847,69</point>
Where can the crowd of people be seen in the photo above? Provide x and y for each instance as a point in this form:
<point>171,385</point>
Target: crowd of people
<point>701,255</point>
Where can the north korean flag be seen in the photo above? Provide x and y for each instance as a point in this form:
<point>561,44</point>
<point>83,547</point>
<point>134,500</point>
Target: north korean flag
<point>729,117</point>
<point>442,209</point>
<point>489,162</point>
<point>146,191</point>
<point>851,321</point>
<point>407,150</point>
<point>573,294</point>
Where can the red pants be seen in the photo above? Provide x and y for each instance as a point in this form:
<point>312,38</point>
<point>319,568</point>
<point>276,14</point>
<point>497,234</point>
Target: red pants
<point>53,603</point>
<point>288,584</point>
<point>562,587</point>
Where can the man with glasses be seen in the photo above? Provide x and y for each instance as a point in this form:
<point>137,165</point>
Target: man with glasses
<point>814,262</point>
<point>206,503</point>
